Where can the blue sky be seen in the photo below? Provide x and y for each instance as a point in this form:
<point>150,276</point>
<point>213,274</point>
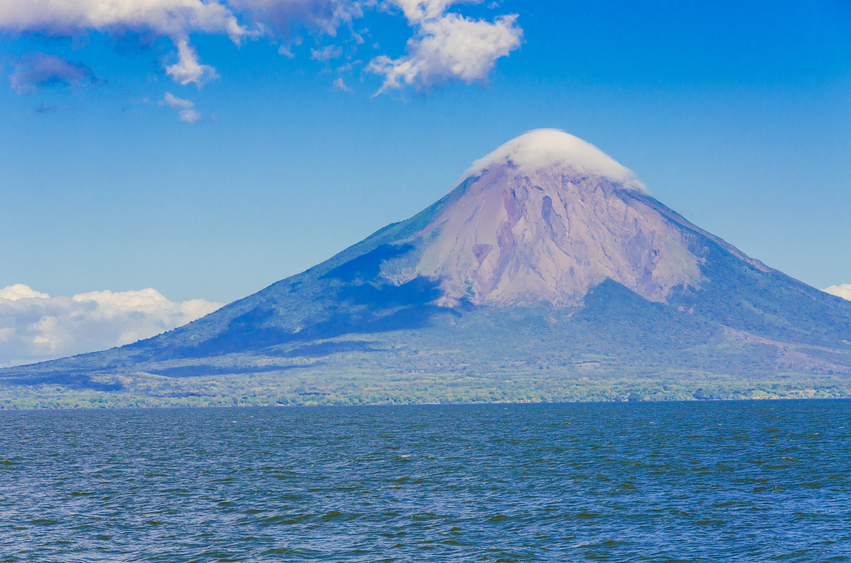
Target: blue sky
<point>737,115</point>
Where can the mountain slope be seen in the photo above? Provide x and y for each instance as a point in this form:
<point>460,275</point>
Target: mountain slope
<point>548,249</point>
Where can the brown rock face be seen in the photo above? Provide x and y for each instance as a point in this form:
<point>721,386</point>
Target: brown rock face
<point>548,229</point>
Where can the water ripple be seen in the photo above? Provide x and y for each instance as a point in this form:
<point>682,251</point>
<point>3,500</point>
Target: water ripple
<point>619,482</point>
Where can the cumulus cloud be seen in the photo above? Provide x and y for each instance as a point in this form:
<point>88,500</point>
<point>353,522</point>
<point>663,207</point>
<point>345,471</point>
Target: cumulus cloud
<point>21,291</point>
<point>39,70</point>
<point>186,114</point>
<point>187,70</point>
<point>446,46</point>
<point>175,19</point>
<point>843,290</point>
<point>172,18</point>
<point>36,327</point>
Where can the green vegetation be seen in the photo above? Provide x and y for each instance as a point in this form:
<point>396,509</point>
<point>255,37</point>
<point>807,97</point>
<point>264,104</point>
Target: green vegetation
<point>341,334</point>
<point>617,347</point>
<point>316,387</point>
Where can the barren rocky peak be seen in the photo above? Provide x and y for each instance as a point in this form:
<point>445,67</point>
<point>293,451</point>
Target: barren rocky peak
<point>545,218</point>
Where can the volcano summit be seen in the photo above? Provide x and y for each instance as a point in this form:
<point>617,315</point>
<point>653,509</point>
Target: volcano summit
<point>550,273</point>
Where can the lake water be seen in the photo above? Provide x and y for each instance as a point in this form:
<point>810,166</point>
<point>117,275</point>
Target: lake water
<point>717,481</point>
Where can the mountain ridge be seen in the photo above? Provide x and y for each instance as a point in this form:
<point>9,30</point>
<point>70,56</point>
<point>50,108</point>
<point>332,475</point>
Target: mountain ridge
<point>537,259</point>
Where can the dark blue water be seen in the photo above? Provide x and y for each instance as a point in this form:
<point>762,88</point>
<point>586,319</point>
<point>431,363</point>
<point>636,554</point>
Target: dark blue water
<point>620,482</point>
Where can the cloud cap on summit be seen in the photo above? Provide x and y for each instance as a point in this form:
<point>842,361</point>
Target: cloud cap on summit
<point>541,148</point>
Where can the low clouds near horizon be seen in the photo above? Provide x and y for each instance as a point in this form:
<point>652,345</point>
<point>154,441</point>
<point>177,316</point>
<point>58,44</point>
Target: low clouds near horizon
<point>36,327</point>
<point>842,290</point>
<point>444,46</point>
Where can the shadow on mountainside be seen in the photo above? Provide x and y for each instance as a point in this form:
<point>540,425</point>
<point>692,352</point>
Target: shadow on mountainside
<point>71,379</point>
<point>766,303</point>
<point>362,308</point>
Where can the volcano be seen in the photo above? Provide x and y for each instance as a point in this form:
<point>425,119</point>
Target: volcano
<point>549,273</point>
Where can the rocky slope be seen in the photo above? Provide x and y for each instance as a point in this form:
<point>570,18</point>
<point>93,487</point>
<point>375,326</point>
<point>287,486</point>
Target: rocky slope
<point>547,249</point>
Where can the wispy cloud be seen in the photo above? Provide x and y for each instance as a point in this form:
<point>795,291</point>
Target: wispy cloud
<point>42,108</point>
<point>186,114</point>
<point>175,19</point>
<point>36,71</point>
<point>279,17</point>
<point>445,45</point>
<point>35,326</point>
<point>189,116</point>
<point>187,70</point>
<point>174,102</point>
<point>340,86</point>
<point>326,53</point>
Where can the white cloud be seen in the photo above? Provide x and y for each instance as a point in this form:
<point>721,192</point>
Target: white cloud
<point>348,66</point>
<point>21,291</point>
<point>541,148</point>
<point>187,114</point>
<point>446,46</point>
<point>326,53</point>
<point>419,10</point>
<point>843,290</point>
<point>187,70</point>
<point>36,327</point>
<point>340,86</point>
<point>172,18</point>
<point>174,102</point>
<point>175,19</point>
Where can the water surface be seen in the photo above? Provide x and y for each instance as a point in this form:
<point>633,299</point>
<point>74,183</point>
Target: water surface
<point>721,481</point>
